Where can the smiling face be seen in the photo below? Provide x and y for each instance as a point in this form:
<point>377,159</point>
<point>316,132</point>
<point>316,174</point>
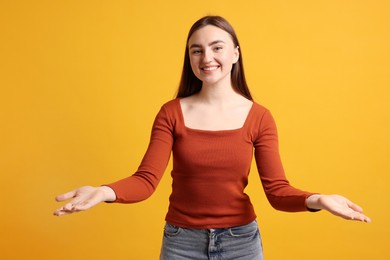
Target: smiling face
<point>212,54</point>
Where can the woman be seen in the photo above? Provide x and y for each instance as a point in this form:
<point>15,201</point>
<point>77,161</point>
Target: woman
<point>212,129</point>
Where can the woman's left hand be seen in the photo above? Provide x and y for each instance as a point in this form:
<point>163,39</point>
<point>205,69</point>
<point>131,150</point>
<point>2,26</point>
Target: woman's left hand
<point>337,205</point>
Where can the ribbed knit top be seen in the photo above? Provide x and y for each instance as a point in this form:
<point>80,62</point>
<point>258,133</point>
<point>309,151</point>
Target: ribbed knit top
<point>210,170</point>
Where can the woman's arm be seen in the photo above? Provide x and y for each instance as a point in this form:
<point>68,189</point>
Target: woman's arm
<point>281,194</point>
<point>134,188</point>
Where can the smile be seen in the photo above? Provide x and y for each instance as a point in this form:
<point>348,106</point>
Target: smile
<point>210,68</point>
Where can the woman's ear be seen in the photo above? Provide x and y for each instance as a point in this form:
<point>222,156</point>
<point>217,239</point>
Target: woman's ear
<point>237,54</point>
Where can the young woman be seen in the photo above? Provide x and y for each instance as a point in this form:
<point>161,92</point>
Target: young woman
<point>213,129</point>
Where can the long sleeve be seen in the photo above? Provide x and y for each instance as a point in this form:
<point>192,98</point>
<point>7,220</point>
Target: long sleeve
<point>280,194</point>
<point>144,181</point>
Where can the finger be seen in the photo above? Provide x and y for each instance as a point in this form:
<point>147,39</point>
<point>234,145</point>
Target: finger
<point>362,217</point>
<point>66,196</point>
<point>367,219</point>
<point>69,206</point>
<point>77,205</point>
<point>354,206</point>
<point>357,217</point>
<point>57,213</point>
<point>61,211</point>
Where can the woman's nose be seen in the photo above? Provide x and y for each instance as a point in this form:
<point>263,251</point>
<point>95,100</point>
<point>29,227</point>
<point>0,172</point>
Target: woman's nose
<point>207,56</point>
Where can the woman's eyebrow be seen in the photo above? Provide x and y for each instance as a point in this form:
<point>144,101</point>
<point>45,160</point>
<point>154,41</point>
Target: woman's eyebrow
<point>195,45</point>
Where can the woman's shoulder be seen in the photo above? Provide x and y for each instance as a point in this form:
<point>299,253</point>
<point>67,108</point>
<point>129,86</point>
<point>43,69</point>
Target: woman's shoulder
<point>172,104</point>
<point>259,108</point>
<point>261,115</point>
<point>171,109</point>
<point>181,104</point>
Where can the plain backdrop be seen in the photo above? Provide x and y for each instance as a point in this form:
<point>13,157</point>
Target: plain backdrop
<point>81,83</point>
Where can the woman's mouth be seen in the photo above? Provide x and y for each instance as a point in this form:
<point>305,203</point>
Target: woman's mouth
<point>210,68</point>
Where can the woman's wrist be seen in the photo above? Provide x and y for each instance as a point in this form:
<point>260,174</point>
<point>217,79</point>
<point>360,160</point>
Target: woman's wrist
<point>312,202</point>
<point>109,194</point>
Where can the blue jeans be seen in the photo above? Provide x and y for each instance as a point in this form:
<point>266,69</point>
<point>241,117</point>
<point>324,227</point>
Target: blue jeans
<point>236,243</point>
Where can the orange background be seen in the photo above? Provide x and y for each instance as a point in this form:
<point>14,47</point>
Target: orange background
<point>81,82</point>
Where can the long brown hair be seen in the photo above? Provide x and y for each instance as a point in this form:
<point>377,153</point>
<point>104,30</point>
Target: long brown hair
<point>190,84</point>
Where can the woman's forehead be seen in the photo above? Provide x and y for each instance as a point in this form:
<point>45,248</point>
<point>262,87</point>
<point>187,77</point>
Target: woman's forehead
<point>209,34</point>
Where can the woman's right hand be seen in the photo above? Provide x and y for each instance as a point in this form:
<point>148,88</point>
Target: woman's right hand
<point>84,198</point>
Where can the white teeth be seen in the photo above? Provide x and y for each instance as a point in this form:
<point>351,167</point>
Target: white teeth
<point>210,68</point>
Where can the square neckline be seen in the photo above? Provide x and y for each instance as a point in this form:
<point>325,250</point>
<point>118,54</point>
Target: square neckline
<point>213,131</point>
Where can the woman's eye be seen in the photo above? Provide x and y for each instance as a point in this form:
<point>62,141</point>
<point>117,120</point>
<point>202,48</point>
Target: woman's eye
<point>218,48</point>
<point>196,52</point>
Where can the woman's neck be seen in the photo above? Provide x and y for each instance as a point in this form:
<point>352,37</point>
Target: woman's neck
<point>218,94</point>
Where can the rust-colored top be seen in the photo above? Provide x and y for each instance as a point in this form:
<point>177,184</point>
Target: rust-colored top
<point>210,170</point>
